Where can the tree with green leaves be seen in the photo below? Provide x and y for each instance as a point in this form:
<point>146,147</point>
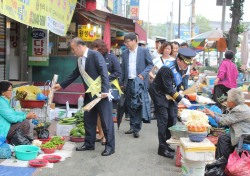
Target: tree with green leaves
<point>203,23</point>
<point>237,27</point>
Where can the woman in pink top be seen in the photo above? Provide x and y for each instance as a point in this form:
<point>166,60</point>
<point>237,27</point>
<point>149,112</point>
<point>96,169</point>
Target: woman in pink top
<point>226,78</point>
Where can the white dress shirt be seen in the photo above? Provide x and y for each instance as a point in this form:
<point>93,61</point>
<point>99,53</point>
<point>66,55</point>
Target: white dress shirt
<point>85,54</point>
<point>132,64</point>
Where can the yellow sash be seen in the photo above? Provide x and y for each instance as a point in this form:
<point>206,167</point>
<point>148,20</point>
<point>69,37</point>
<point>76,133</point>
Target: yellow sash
<point>95,85</point>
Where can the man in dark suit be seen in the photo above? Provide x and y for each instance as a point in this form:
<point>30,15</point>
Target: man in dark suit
<point>136,62</point>
<point>93,63</point>
<point>168,81</point>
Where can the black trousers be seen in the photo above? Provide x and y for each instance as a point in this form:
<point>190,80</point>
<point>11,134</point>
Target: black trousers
<point>104,108</point>
<point>166,117</point>
<point>224,146</point>
<point>134,114</point>
<point>219,90</point>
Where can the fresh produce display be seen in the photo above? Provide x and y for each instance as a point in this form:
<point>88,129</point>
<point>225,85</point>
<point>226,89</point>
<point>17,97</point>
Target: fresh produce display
<point>77,132</point>
<point>57,140</point>
<point>27,92</point>
<point>197,121</point>
<point>68,121</point>
<point>48,145</point>
<point>79,117</point>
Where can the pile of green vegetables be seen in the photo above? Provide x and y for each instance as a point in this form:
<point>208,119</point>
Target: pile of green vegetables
<point>79,130</point>
<point>56,140</point>
<point>77,118</point>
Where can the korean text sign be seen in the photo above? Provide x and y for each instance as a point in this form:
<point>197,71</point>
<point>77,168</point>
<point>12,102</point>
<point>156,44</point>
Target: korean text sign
<point>54,15</point>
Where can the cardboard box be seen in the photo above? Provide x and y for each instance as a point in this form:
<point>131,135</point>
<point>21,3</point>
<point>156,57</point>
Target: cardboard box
<point>63,130</point>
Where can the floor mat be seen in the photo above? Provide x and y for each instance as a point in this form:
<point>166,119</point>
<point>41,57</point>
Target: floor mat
<point>17,171</point>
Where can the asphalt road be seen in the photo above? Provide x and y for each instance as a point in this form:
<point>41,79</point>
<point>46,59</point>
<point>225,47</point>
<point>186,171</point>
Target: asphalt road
<point>133,157</point>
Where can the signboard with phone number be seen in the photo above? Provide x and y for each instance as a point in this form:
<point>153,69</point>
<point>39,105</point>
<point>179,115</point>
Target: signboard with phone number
<point>88,34</point>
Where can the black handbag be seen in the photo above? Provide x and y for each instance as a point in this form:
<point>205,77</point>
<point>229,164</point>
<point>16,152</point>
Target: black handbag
<point>19,139</point>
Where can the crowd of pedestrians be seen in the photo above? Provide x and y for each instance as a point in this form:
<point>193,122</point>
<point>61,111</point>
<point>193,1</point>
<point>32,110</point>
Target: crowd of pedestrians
<point>145,79</point>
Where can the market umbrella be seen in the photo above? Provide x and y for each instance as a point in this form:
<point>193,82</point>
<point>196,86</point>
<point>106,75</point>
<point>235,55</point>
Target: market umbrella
<point>244,50</point>
<point>106,35</point>
<point>120,110</point>
<point>213,35</point>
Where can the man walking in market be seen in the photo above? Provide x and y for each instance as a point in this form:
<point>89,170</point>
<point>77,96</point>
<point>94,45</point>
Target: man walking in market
<point>91,66</point>
<point>136,64</point>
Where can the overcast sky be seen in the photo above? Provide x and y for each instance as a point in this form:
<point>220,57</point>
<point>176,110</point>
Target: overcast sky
<point>159,11</point>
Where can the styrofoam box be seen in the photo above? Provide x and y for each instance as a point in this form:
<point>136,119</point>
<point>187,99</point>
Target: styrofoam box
<point>63,130</point>
<point>197,151</point>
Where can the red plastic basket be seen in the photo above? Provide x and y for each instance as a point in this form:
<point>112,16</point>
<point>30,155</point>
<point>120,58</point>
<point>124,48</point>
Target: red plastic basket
<point>32,103</point>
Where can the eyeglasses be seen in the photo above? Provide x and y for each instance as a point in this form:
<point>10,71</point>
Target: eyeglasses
<point>127,41</point>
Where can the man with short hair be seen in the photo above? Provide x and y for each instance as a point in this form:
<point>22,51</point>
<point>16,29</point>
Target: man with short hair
<point>91,65</point>
<point>158,42</point>
<point>136,63</point>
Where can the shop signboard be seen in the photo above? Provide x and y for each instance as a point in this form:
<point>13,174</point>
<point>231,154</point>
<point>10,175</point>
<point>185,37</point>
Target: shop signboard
<point>185,32</point>
<point>88,34</point>
<point>110,5</point>
<point>54,15</point>
<point>38,48</point>
<point>134,9</point>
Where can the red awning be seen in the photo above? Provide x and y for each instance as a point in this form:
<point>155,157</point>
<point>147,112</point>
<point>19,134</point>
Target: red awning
<point>116,22</point>
<point>141,32</point>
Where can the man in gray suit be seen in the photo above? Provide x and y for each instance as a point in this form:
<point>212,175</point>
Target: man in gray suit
<point>136,62</point>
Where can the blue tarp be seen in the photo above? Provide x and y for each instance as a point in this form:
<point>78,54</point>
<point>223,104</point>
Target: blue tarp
<point>16,171</point>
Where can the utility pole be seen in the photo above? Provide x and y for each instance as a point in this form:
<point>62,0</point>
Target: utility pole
<point>179,20</point>
<point>222,25</point>
<point>167,29</point>
<point>223,15</point>
<point>193,19</point>
<point>171,26</point>
<point>148,19</point>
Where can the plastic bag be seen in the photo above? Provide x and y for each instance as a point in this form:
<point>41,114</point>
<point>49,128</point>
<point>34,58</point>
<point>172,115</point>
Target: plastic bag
<point>238,166</point>
<point>216,168</point>
<point>212,121</point>
<point>43,133</point>
<point>19,139</point>
<point>5,151</point>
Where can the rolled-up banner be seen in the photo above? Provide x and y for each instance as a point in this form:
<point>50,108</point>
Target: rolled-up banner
<point>91,104</point>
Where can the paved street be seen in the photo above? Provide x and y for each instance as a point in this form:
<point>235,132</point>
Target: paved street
<point>133,157</point>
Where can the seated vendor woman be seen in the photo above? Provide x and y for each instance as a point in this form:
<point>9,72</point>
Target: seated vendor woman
<point>238,120</point>
<point>11,120</point>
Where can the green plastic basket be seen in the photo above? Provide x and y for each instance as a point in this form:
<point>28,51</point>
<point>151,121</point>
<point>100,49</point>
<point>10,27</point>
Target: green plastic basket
<point>26,152</point>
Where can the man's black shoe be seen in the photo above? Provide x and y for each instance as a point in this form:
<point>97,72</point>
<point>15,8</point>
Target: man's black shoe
<point>129,131</point>
<point>108,152</point>
<point>136,134</point>
<point>166,154</point>
<point>84,148</point>
<point>170,148</point>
